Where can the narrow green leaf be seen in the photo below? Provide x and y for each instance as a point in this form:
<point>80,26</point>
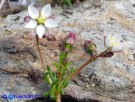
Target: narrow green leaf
<point>48,68</point>
<point>52,94</point>
<point>54,83</point>
<point>51,76</point>
<point>56,65</point>
<point>57,87</point>
<point>67,2</point>
<point>63,56</point>
<point>47,93</point>
<point>45,77</point>
<point>54,75</point>
<point>72,70</point>
<point>64,83</point>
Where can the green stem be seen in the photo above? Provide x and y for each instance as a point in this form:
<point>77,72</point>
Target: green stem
<point>85,64</point>
<point>59,75</point>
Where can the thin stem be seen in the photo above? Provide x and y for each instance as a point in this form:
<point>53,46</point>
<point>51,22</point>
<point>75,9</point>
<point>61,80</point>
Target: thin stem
<point>41,57</point>
<point>39,51</point>
<point>58,97</point>
<point>85,64</point>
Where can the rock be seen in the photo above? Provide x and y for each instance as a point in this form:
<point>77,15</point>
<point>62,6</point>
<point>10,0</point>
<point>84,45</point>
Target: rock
<point>114,74</point>
<point>105,80</point>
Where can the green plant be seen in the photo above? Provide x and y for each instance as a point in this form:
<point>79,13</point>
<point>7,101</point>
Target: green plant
<point>39,21</point>
<point>66,2</point>
<point>60,79</point>
<point>65,72</point>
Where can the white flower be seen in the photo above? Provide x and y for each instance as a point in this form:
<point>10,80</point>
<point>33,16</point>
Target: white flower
<point>40,20</point>
<point>114,42</point>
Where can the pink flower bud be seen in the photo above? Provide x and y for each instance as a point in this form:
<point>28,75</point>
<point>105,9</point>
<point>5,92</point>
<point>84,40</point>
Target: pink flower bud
<point>68,42</point>
<point>71,38</point>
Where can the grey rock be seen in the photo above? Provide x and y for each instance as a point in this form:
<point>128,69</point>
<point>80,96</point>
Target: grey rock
<point>113,79</point>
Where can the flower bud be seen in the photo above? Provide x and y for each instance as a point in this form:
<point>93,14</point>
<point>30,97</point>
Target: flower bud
<point>71,38</point>
<point>69,41</point>
<point>90,47</point>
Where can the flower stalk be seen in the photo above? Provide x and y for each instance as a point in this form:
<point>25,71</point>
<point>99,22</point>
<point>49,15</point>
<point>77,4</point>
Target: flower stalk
<point>39,51</point>
<point>41,58</point>
<point>86,63</point>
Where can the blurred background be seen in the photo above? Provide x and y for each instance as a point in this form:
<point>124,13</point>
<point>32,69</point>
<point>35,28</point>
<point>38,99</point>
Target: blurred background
<point>15,6</point>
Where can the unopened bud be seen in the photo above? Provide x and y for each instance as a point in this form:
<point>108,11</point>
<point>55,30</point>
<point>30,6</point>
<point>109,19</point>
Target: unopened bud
<point>69,41</point>
<point>90,47</point>
<point>71,38</point>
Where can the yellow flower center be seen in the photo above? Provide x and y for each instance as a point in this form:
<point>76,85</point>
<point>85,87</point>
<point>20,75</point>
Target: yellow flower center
<point>41,20</point>
<point>114,42</point>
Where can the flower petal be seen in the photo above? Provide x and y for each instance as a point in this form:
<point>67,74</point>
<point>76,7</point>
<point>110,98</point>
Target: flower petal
<point>46,11</point>
<point>107,41</point>
<point>31,24</point>
<point>50,23</point>
<point>33,32</point>
<point>119,48</point>
<point>40,30</point>
<point>33,12</point>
